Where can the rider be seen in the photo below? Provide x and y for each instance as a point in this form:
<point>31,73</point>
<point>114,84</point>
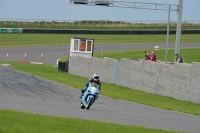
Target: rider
<point>94,79</point>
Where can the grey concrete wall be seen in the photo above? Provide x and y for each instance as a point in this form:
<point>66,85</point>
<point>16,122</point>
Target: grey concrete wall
<point>86,67</point>
<point>195,83</point>
<point>180,81</point>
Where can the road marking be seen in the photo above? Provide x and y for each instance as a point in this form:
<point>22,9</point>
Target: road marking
<point>36,63</point>
<point>5,64</point>
<point>57,61</point>
<point>32,62</point>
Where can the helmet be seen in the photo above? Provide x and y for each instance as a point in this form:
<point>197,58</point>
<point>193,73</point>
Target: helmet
<point>96,77</point>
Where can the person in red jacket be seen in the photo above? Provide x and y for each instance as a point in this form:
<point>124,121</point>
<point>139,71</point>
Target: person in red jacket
<point>153,56</point>
<point>82,46</point>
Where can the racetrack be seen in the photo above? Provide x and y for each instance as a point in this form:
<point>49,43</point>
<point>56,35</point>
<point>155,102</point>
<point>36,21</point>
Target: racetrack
<point>28,93</point>
<point>53,53</point>
<point>24,92</point>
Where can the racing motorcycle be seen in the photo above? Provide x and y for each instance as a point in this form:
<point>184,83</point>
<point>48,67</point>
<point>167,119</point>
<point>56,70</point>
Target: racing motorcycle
<point>89,96</point>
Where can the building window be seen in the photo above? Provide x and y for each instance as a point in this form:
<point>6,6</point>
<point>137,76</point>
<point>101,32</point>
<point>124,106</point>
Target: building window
<point>76,44</point>
<point>82,45</point>
<point>89,46</point>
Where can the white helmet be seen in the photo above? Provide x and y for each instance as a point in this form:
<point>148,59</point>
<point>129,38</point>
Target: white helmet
<point>96,77</point>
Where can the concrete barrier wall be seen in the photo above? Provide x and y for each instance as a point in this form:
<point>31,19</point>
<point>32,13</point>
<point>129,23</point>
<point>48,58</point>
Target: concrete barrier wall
<point>165,80</point>
<point>86,67</point>
<point>180,81</point>
<point>195,83</point>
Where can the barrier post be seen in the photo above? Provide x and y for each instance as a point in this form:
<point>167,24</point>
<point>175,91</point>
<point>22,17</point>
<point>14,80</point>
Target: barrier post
<point>118,73</point>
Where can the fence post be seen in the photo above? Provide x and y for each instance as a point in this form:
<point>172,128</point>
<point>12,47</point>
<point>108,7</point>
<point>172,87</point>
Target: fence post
<point>118,73</point>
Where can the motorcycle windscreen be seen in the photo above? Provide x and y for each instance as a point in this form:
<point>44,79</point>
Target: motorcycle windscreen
<point>94,88</point>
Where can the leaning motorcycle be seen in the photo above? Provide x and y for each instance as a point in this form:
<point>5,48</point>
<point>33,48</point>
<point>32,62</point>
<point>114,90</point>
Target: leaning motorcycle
<point>89,96</point>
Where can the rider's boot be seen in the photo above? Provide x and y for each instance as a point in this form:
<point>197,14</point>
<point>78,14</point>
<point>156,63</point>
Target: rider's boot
<point>82,91</point>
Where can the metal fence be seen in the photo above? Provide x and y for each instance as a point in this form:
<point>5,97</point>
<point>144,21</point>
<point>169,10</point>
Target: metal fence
<point>103,23</point>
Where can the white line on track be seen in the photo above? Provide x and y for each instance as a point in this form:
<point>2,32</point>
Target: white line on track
<point>57,61</point>
<point>36,63</point>
<point>5,64</point>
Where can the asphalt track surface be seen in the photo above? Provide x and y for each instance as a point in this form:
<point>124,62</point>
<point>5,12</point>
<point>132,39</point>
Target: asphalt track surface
<point>28,93</point>
<point>53,53</point>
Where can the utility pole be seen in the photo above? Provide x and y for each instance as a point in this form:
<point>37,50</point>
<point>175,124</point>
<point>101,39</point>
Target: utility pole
<point>167,38</point>
<point>178,30</point>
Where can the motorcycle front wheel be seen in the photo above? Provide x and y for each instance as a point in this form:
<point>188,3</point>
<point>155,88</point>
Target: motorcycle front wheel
<point>82,106</point>
<point>89,103</point>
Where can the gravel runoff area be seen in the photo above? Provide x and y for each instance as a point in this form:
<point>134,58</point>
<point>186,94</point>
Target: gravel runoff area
<point>24,92</point>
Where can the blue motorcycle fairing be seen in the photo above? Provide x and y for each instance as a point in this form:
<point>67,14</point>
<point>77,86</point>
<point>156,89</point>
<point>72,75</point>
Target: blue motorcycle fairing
<point>91,93</point>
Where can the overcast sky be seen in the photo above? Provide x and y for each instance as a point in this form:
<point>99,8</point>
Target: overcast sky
<point>62,10</point>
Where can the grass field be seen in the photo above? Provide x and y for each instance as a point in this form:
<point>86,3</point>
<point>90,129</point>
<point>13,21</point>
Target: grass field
<point>189,55</point>
<point>51,72</point>
<point>7,40</point>
<point>18,122</point>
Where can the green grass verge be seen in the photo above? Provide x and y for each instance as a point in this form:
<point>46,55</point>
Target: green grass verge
<point>18,122</point>
<point>63,59</point>
<point>51,72</point>
<point>64,39</point>
<point>189,55</point>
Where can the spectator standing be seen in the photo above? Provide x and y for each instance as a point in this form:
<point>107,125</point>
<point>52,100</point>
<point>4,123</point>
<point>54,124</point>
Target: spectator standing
<point>178,59</point>
<point>146,56</point>
<point>153,56</point>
